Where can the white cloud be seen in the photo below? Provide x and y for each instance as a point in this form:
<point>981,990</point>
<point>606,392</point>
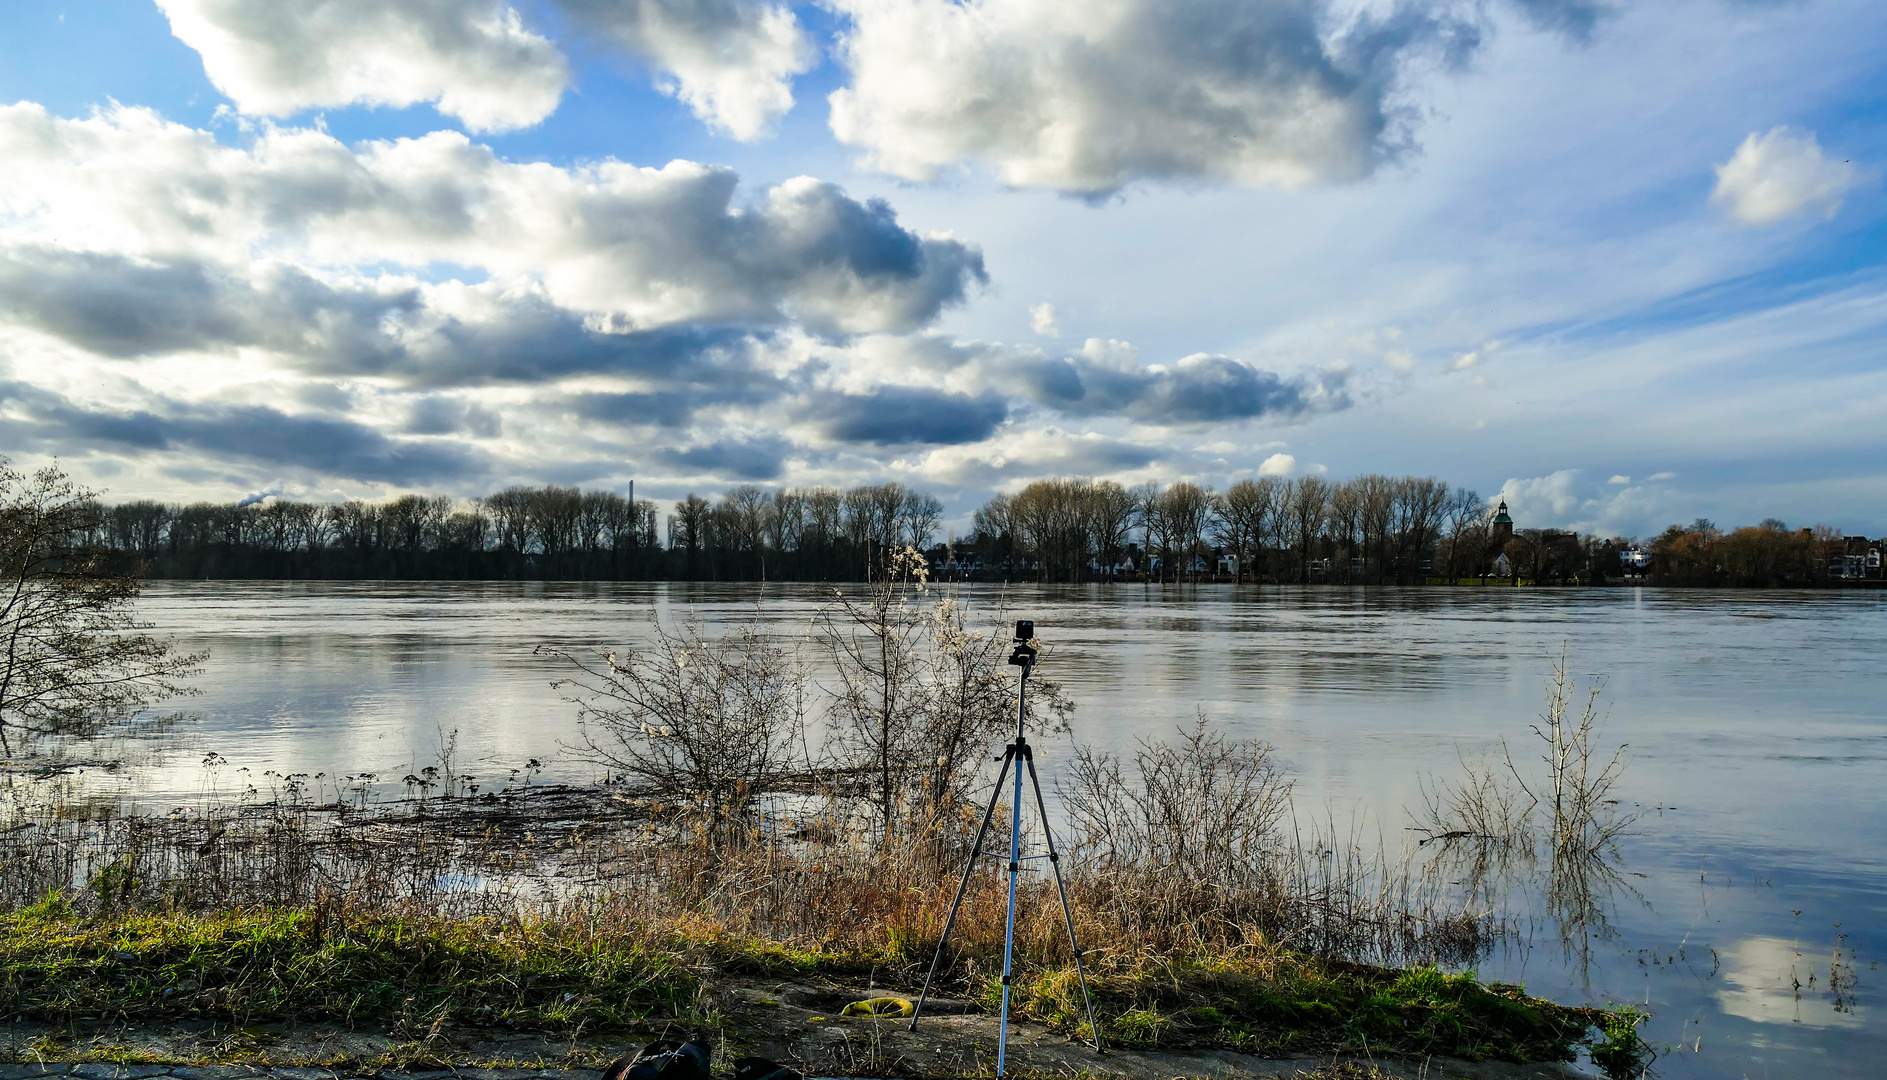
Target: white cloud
<point>1620,479</point>
<point>1278,465</point>
<point>1542,501</point>
<point>1042,320</point>
<point>1655,477</point>
<point>423,312</point>
<point>1779,175</point>
<point>730,61</point>
<point>472,58</point>
<point>1084,97</point>
<point>1399,361</point>
<point>633,248</point>
<point>1763,980</point>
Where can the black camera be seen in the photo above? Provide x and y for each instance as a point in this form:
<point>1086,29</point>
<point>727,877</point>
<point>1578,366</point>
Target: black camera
<point>1024,653</point>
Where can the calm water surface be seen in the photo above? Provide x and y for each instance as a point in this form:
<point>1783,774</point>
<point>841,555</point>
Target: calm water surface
<point>1757,724</point>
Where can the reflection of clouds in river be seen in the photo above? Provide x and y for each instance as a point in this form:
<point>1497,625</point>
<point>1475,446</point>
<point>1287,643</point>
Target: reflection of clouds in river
<point>1772,981</point>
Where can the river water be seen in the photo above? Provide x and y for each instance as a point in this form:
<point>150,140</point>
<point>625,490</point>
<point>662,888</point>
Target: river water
<point>1757,726</point>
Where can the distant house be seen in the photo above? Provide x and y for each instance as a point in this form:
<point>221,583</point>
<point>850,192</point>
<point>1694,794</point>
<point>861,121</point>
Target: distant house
<point>1851,562</point>
<point>1228,564</point>
<point>1636,562</point>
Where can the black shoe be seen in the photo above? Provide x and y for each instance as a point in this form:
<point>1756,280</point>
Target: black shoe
<point>759,1068</point>
<point>664,1059</point>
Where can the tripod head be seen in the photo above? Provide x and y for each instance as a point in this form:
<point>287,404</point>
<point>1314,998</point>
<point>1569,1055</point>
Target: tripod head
<point>1025,652</point>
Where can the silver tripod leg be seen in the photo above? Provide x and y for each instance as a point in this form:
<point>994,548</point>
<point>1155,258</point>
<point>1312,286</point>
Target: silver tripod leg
<point>1067,913</point>
<point>1021,749</point>
<point>976,851</point>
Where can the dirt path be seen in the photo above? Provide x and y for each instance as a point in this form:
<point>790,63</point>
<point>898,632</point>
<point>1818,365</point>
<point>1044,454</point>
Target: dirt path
<point>796,1024</point>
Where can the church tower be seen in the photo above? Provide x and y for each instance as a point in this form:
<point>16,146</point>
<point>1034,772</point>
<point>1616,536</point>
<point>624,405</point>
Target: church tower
<point>1503,527</point>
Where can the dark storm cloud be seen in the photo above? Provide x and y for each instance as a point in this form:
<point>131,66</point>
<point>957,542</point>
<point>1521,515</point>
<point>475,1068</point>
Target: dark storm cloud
<point>909,414</point>
<point>122,307</point>
<point>758,459</point>
<point>244,433</point>
<point>673,408</point>
<point>116,306</point>
<point>535,341</point>
<point>436,414</point>
<point>1197,389</point>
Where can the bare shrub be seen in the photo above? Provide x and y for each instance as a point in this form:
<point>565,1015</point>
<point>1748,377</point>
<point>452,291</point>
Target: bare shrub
<point>1494,804</point>
<point>710,722</point>
<point>920,696</point>
<point>1577,788</point>
<point>1487,837</point>
<point>1204,809</point>
<point>873,643</point>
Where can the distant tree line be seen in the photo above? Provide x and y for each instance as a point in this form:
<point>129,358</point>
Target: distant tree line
<point>1366,530</point>
<point>1371,529</point>
<point>1766,555</point>
<point>546,533</point>
<point>521,532</point>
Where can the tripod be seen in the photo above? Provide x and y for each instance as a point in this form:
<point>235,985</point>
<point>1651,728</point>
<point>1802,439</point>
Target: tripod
<point>1014,756</point>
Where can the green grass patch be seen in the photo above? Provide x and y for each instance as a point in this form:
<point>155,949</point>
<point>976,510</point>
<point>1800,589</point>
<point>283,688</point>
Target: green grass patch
<point>300,964</point>
<point>1284,1005</point>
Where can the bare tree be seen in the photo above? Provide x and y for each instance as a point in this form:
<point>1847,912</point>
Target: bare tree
<point>995,523</point>
<point>918,515</point>
<point>1468,521</point>
<point>1419,505</point>
<point>1183,511</point>
<point>744,507</point>
<point>1112,515</point>
<point>873,643</point>
<point>140,528</point>
<point>825,526</point>
<point>510,517</point>
<point>688,528</point>
<point>1375,499</point>
<point>1346,514</point>
<point>71,651</point>
<point>1240,516</point>
<point>1308,502</point>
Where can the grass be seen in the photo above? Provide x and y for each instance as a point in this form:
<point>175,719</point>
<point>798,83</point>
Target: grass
<point>1284,1004</point>
<point>418,973</point>
<point>415,971</point>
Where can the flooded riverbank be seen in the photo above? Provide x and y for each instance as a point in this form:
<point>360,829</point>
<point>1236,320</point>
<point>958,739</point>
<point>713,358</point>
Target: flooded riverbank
<point>1756,744</point>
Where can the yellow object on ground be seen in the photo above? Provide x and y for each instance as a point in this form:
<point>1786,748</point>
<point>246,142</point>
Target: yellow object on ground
<point>880,1006</point>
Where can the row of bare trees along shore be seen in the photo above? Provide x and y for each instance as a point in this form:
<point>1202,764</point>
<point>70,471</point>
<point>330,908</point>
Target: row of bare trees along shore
<point>1366,530</point>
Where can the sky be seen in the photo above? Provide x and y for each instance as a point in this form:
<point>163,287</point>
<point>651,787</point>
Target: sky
<point>1617,262</point>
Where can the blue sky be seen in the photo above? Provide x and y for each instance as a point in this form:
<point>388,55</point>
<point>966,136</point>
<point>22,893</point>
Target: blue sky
<point>1617,262</point>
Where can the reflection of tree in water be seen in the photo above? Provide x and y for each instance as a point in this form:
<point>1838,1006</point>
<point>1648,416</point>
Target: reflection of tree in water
<point>1546,838</point>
